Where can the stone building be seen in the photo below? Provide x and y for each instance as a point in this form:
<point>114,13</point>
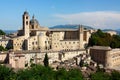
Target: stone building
<point>17,60</point>
<point>32,36</point>
<point>109,58</point>
<point>69,39</point>
<point>5,41</point>
<point>111,32</point>
<point>22,59</point>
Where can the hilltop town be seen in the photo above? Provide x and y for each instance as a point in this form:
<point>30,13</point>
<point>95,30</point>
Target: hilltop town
<point>65,48</point>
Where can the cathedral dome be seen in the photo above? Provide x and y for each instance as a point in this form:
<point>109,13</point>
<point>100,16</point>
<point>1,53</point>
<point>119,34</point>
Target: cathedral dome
<point>34,21</point>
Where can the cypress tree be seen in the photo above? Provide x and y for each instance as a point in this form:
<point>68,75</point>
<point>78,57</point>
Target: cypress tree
<point>46,62</point>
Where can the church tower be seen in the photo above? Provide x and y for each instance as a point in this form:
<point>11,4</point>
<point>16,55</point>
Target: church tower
<point>26,20</point>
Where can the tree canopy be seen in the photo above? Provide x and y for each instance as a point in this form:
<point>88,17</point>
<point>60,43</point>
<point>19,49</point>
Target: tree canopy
<point>2,32</point>
<point>6,73</point>
<point>104,39</point>
<point>39,72</point>
<point>100,76</point>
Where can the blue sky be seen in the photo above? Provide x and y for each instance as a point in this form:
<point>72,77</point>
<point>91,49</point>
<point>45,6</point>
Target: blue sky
<point>97,13</point>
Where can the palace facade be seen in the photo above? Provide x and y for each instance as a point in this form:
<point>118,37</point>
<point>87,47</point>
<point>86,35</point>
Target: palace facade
<point>32,36</point>
<point>106,56</point>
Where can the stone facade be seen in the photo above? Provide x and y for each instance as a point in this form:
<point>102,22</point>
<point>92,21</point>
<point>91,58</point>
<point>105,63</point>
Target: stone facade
<point>22,59</point>
<point>17,60</point>
<point>5,41</point>
<point>32,36</point>
<point>106,56</point>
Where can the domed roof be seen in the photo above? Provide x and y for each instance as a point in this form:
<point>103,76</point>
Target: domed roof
<point>26,12</point>
<point>34,21</point>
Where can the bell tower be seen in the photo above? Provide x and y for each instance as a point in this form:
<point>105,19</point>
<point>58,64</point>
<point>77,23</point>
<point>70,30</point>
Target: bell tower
<point>26,20</point>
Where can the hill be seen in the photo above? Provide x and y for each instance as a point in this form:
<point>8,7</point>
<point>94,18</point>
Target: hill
<point>9,31</point>
<point>100,38</point>
<point>117,30</point>
<point>68,26</point>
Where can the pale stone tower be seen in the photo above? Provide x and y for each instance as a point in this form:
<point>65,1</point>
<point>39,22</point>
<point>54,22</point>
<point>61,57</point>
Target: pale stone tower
<point>26,20</point>
<point>42,41</point>
<point>81,36</point>
<point>108,60</point>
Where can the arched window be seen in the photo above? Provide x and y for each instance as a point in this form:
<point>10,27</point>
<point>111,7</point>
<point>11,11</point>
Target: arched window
<point>26,22</point>
<point>26,17</point>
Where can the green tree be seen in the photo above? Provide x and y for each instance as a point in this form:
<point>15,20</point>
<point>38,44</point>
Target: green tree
<point>2,48</point>
<point>6,73</point>
<point>24,75</point>
<point>115,75</point>
<point>61,74</point>
<point>46,60</point>
<point>36,72</point>
<point>115,41</point>
<point>100,76</point>
<point>75,74</point>
<point>104,39</point>
<point>81,63</point>
<point>9,47</point>
<point>2,32</point>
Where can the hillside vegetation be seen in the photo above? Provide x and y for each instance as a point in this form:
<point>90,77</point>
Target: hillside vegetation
<point>38,72</point>
<point>104,39</point>
<point>2,32</point>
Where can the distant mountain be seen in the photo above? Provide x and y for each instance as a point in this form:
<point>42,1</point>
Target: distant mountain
<point>69,27</point>
<point>108,30</point>
<point>117,30</point>
<point>9,31</point>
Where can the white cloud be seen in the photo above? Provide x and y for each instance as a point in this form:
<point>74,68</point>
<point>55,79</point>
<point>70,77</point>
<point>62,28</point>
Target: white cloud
<point>99,19</point>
